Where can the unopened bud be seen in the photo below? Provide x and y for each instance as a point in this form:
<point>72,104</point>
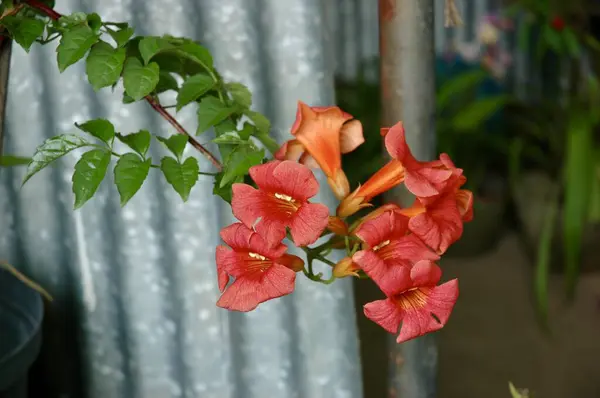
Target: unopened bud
<point>345,267</point>
<point>337,226</point>
<point>294,263</point>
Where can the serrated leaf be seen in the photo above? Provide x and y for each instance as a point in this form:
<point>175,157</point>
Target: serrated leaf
<point>182,176</point>
<point>152,45</point>
<point>263,125</point>
<point>74,44</point>
<point>211,111</point>
<point>476,113</point>
<point>121,36</point>
<point>94,22</point>
<point>175,143</point>
<point>89,173</point>
<point>193,88</point>
<point>240,94</point>
<point>139,142</point>
<point>23,30</point>
<point>104,65</point>
<point>139,80</point>
<point>228,138</point>
<point>130,173</point>
<point>99,128</point>
<point>239,162</point>
<point>166,82</point>
<point>10,161</point>
<point>51,150</point>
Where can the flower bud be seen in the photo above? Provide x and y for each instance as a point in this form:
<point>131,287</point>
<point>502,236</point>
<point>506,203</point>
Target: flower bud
<point>345,267</point>
<point>294,263</point>
<point>337,226</point>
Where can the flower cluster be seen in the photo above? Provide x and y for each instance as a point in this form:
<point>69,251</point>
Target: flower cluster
<point>396,247</point>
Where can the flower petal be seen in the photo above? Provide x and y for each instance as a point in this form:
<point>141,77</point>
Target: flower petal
<point>440,225</point>
<point>391,278</point>
<point>464,200</point>
<point>425,273</point>
<point>387,225</point>
<point>249,205</point>
<point>441,300</point>
<point>351,136</point>
<point>384,313</point>
<point>425,181</point>
<point>245,294</point>
<point>295,180</point>
<point>222,257</point>
<point>395,143</point>
<point>290,150</point>
<point>308,223</point>
<point>416,323</point>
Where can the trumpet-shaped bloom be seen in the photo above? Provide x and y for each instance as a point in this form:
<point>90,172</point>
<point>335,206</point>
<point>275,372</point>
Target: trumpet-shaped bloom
<point>415,302</point>
<point>388,248</point>
<point>322,134</point>
<point>423,179</point>
<point>262,269</point>
<point>280,202</point>
<point>438,221</point>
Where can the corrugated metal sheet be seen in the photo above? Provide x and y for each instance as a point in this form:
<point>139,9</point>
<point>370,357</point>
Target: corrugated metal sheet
<point>135,288</point>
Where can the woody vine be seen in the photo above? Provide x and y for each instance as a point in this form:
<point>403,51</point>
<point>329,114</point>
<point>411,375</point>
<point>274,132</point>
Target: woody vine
<point>270,195</point>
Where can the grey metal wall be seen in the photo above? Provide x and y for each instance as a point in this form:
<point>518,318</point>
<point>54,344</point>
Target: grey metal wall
<point>135,288</point>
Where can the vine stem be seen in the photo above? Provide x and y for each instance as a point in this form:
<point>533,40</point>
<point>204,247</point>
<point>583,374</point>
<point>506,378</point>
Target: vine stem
<point>152,101</point>
<point>181,130</point>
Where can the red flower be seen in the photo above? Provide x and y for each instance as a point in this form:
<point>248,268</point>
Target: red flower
<point>281,201</point>
<point>261,268</point>
<point>557,23</point>
<point>388,248</point>
<point>438,221</point>
<point>414,301</point>
<point>322,135</point>
<point>423,179</point>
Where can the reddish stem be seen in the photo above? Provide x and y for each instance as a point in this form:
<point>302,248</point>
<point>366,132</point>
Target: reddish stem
<point>181,130</point>
<point>153,103</point>
<point>44,8</point>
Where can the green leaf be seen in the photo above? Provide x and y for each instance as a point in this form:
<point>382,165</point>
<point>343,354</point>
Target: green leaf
<point>89,173</point>
<point>182,176</point>
<point>152,45</point>
<point>24,30</point>
<point>192,88</point>
<point>524,30</point>
<point>240,94</point>
<point>121,36</point>
<point>239,162</point>
<point>211,111</point>
<point>51,150</point>
<point>268,142</point>
<point>130,173</point>
<point>263,125</point>
<point>578,167</point>
<point>139,142</point>
<point>224,127</point>
<point>73,45</point>
<point>458,85</point>
<point>104,65</point>
<point>10,161</point>
<point>478,112</point>
<point>74,19</point>
<point>594,212</point>
<point>139,80</point>
<point>543,258</point>
<point>175,143</point>
<point>552,39</point>
<point>571,42</point>
<point>127,99</point>
<point>247,131</point>
<point>94,21</point>
<point>99,128</point>
<point>166,82</point>
<point>196,53</point>
<point>228,138</point>
<point>225,191</point>
<point>514,393</point>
